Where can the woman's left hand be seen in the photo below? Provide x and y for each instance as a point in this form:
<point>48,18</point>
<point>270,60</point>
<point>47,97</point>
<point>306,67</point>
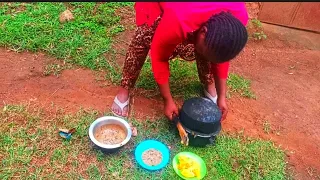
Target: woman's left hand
<point>221,102</point>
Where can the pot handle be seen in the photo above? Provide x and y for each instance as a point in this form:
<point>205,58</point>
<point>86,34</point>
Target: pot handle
<point>182,132</point>
<point>212,140</point>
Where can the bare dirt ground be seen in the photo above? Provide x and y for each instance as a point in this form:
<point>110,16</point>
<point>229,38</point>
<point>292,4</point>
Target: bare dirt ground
<point>284,70</point>
<point>285,77</point>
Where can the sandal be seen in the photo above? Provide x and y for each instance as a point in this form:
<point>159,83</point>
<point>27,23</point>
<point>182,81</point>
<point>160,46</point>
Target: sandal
<point>208,95</point>
<point>121,105</point>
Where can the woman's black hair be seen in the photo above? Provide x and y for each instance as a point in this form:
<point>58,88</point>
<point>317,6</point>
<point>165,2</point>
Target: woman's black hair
<point>226,36</point>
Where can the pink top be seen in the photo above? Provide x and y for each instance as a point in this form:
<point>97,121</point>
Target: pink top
<point>178,19</point>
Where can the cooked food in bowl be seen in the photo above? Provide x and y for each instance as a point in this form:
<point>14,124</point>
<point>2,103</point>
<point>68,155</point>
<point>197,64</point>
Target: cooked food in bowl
<point>152,157</point>
<point>110,134</point>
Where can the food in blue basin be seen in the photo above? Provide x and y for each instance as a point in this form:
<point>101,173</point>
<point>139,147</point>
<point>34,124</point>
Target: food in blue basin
<point>152,155</point>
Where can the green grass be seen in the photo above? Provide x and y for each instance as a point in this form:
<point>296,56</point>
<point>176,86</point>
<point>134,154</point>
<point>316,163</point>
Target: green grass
<point>185,83</point>
<point>240,85</point>
<point>82,41</point>
<point>184,80</point>
<point>55,69</point>
<point>30,148</point>
<point>258,33</point>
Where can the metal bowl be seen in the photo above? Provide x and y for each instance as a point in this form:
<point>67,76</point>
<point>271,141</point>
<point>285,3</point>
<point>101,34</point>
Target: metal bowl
<point>109,120</point>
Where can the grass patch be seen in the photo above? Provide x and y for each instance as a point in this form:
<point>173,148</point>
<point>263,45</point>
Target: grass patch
<point>55,69</point>
<point>36,27</point>
<point>240,85</point>
<point>185,82</point>
<point>257,29</point>
<point>31,148</point>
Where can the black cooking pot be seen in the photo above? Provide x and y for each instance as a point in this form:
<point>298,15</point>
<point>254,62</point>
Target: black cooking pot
<point>200,117</point>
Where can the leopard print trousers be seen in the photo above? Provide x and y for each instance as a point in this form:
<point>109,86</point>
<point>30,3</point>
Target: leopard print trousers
<point>138,51</point>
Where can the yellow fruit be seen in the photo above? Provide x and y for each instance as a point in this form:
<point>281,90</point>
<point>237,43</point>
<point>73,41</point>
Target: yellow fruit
<point>188,167</point>
<point>197,172</point>
<point>181,166</point>
<point>187,173</point>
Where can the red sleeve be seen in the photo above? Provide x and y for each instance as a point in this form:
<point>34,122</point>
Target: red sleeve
<point>146,12</point>
<point>221,69</point>
<point>167,36</point>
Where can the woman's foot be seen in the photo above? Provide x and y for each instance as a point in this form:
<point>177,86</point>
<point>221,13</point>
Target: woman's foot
<point>120,105</point>
<point>210,92</point>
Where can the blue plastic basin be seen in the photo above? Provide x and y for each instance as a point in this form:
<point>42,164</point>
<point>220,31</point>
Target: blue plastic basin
<point>152,144</point>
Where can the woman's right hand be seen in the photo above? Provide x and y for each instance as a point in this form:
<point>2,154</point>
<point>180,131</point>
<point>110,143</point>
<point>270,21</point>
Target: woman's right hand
<point>170,109</point>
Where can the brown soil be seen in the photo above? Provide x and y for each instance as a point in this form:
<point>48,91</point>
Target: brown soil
<point>152,157</point>
<point>284,70</point>
<point>110,134</point>
<point>285,76</point>
<point>253,9</point>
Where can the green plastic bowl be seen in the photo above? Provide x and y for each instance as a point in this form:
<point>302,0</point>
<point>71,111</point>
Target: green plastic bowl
<point>203,168</point>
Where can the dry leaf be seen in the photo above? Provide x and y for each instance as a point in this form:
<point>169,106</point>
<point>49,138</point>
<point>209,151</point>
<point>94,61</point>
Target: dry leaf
<point>115,174</point>
<point>66,16</point>
<point>134,131</point>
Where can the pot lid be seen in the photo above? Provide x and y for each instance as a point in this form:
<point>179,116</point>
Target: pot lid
<point>202,109</point>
